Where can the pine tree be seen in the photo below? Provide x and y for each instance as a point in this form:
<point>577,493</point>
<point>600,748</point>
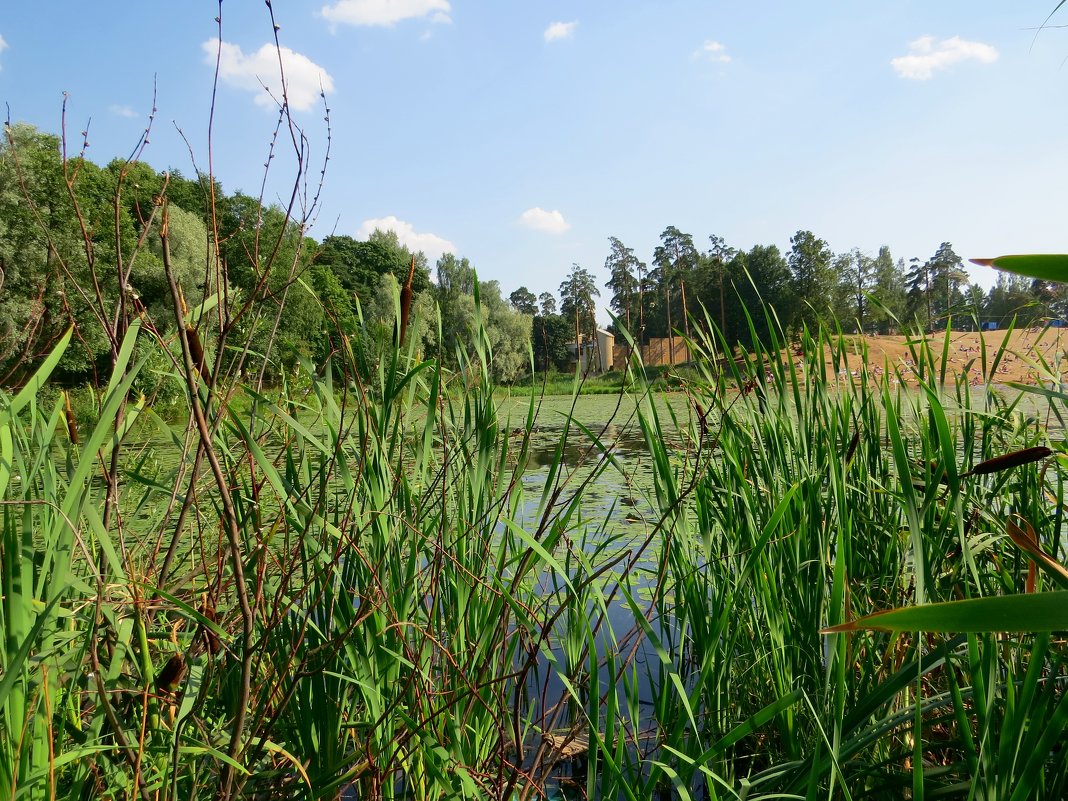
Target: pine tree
<point>623,267</point>
<point>576,303</point>
<point>676,260</point>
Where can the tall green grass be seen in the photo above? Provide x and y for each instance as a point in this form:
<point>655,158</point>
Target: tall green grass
<point>362,595</point>
<point>813,494</point>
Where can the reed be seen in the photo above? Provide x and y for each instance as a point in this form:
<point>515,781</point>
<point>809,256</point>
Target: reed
<point>422,624</point>
<point>810,494</point>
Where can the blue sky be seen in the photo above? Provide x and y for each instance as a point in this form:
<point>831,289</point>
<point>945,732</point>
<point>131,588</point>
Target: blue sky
<point>522,135</point>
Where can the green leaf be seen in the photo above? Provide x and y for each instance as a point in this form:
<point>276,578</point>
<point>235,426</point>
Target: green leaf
<point>16,661</point>
<point>1047,266</point>
<point>752,724</point>
<point>1044,611</point>
<point>33,386</point>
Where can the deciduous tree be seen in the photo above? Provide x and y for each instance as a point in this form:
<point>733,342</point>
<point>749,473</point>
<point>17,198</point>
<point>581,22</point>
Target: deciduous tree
<point>858,277</point>
<point>524,301</point>
<point>813,279</point>
<point>761,280</point>
<point>888,292</point>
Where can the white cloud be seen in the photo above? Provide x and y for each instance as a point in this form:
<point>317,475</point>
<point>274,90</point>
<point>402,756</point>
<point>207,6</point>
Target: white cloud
<point>560,30</point>
<point>550,222</point>
<point>122,111</point>
<point>304,78</point>
<point>431,244</point>
<point>386,12</point>
<point>712,50</point>
<point>3,47</point>
<point>927,55</point>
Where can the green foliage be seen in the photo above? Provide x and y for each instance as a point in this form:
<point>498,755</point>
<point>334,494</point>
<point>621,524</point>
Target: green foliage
<point>801,462</point>
<point>716,277</point>
<point>51,527</point>
<point>675,262</point>
<point>935,286</point>
<point>857,274</point>
<point>381,318</point>
<point>1013,296</point>
<point>193,268</point>
<point>301,298</point>
<point>524,301</point>
<point>42,254</point>
<point>623,270</point>
<point>409,591</point>
<point>507,333</point>
<point>812,280</point>
<point>358,266</point>
<point>576,302</point>
<point>888,293</point>
<point>550,338</point>
<point>760,279</point>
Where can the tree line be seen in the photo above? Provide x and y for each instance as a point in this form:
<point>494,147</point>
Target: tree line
<point>810,286</point>
<point>80,245</point>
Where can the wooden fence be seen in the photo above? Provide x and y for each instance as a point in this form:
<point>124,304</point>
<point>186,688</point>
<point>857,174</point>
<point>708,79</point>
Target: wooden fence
<point>658,351</point>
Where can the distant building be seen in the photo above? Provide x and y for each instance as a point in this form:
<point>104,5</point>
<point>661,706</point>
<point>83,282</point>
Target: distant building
<point>593,354</point>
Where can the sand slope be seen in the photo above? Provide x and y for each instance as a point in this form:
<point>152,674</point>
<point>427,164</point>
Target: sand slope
<point>1031,355</point>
